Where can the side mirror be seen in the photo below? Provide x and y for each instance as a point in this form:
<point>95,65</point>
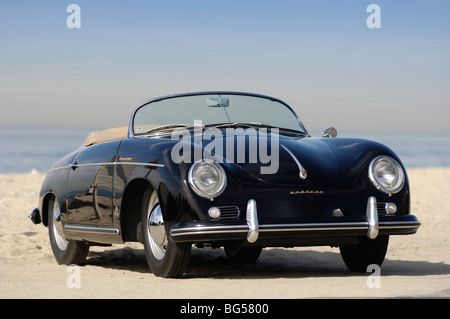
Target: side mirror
<point>217,102</point>
<point>329,132</point>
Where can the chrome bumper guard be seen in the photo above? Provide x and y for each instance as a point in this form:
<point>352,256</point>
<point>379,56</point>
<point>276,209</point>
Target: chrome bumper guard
<point>372,227</point>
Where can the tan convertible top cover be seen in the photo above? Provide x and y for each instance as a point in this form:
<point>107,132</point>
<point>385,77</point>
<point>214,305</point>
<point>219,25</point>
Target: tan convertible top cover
<point>111,134</point>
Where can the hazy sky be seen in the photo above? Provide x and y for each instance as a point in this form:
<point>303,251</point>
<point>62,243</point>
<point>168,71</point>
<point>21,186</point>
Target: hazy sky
<point>318,56</point>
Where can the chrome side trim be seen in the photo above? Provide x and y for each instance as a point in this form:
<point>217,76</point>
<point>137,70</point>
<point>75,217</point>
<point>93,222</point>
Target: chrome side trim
<point>57,169</point>
<point>302,172</point>
<point>106,164</point>
<point>209,230</point>
<point>92,229</point>
<point>252,221</point>
<point>139,164</point>
<point>372,217</point>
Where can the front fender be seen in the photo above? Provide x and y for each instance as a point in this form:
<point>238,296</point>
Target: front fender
<point>354,156</point>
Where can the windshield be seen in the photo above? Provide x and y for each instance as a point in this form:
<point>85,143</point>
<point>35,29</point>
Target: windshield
<point>214,109</point>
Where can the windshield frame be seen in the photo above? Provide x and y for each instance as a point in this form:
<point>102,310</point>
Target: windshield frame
<point>131,133</point>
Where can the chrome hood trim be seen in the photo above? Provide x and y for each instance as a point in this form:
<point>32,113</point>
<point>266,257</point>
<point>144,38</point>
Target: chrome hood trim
<point>302,172</point>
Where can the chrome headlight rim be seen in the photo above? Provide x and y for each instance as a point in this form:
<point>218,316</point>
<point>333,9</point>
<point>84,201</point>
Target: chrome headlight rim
<point>399,171</point>
<point>197,190</point>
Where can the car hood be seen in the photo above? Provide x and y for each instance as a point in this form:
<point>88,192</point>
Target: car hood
<point>301,162</point>
<point>282,160</point>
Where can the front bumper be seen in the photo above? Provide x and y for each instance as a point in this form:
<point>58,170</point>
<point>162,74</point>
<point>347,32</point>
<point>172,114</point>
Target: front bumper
<point>251,231</point>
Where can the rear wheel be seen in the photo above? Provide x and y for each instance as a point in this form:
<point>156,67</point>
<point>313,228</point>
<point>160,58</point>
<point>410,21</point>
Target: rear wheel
<point>66,251</point>
<point>165,257</point>
<point>369,251</point>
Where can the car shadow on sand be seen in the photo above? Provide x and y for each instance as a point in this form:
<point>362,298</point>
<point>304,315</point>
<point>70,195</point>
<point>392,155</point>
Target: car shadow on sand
<point>273,263</point>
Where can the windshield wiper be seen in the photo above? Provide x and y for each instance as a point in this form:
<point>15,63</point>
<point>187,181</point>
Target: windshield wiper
<point>238,124</point>
<point>282,130</point>
<point>170,126</point>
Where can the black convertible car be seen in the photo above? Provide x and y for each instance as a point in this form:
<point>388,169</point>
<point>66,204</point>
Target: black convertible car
<point>224,169</point>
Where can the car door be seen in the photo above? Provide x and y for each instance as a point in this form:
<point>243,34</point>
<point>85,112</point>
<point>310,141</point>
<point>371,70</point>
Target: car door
<point>90,185</point>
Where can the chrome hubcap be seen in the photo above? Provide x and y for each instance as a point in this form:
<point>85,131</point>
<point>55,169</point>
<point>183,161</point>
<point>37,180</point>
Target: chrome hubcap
<point>156,231</point>
<point>61,242</point>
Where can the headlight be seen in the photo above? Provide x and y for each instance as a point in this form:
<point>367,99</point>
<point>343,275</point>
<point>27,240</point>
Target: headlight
<point>386,174</point>
<point>207,179</point>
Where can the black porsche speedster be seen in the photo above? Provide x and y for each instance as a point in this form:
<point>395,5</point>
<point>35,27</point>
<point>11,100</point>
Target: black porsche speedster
<point>224,169</point>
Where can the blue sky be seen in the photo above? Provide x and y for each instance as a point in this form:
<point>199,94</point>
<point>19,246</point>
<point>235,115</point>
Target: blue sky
<point>318,56</point>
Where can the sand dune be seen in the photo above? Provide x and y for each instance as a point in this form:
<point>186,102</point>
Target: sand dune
<point>416,265</point>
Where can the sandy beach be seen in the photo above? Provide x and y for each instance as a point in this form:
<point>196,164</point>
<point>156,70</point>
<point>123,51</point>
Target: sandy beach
<point>416,266</point>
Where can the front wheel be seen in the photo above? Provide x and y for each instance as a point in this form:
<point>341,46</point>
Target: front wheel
<point>165,258</point>
<point>66,251</point>
<point>369,251</point>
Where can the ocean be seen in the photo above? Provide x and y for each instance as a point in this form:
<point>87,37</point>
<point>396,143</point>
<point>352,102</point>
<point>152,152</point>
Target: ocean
<point>25,150</point>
